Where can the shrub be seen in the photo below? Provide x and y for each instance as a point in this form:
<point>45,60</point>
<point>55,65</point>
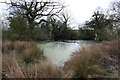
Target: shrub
<point>85,62</point>
<point>95,61</point>
<point>26,51</point>
<point>11,69</point>
<point>31,53</point>
<point>100,60</point>
<point>7,47</point>
<point>112,47</point>
<point>43,70</point>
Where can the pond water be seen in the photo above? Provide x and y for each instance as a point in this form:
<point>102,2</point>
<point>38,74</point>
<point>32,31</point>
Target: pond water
<point>59,52</point>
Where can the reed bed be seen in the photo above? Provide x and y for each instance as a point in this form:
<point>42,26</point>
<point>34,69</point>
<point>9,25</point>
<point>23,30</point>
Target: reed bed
<point>23,59</point>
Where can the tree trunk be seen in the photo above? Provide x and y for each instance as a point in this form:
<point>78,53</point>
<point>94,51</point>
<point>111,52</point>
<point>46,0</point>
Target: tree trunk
<point>31,31</point>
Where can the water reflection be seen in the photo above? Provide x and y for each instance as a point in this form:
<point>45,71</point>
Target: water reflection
<point>59,52</point>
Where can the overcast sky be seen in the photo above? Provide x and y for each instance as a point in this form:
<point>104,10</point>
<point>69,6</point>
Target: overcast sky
<point>81,10</point>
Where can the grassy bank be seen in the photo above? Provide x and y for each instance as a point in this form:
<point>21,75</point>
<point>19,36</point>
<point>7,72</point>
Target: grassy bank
<point>13,69</point>
<point>100,60</point>
<point>23,59</point>
<point>25,51</point>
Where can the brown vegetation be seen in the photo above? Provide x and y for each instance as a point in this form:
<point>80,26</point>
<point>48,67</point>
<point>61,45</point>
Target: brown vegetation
<point>17,55</point>
<point>99,60</point>
<point>27,52</point>
<point>11,68</point>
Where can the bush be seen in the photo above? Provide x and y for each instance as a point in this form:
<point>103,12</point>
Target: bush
<point>95,61</point>
<point>27,52</point>
<point>86,62</point>
<point>11,68</point>
<point>43,70</point>
<point>7,46</point>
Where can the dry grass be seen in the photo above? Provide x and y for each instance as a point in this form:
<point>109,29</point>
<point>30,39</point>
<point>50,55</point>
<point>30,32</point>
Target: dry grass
<point>43,70</point>
<point>27,52</point>
<point>112,48</point>
<point>17,54</point>
<point>7,47</point>
<point>12,69</point>
<point>88,61</point>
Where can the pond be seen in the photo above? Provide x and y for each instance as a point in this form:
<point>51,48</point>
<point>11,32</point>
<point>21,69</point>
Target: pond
<point>59,52</point>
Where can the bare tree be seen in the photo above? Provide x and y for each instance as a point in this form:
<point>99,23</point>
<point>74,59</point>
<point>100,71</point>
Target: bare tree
<point>116,15</point>
<point>66,18</point>
<point>116,9</point>
<point>34,11</point>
